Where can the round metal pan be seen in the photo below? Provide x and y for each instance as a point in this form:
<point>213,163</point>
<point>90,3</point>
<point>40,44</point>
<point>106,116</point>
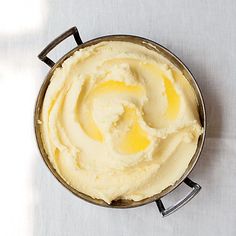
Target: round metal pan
<point>195,188</point>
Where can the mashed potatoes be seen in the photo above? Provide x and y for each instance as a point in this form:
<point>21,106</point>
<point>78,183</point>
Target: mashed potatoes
<point>119,121</point>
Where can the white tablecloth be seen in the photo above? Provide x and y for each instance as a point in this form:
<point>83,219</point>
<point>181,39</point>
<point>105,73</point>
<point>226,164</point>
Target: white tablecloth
<point>201,33</point>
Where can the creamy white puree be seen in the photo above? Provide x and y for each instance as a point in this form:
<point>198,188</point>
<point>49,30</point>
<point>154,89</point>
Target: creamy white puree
<point>119,121</point>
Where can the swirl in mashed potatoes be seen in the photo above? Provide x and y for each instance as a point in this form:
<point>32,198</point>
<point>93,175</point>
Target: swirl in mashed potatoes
<point>119,121</point>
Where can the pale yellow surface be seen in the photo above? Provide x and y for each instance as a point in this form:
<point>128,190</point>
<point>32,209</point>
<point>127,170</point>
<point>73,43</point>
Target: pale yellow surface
<point>119,121</point>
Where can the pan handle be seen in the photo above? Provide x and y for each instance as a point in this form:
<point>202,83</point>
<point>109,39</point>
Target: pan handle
<point>43,55</point>
<point>167,211</point>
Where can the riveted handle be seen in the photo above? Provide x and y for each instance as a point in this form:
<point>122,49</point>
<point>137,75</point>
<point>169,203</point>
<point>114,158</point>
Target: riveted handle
<point>167,211</point>
<point>43,55</point>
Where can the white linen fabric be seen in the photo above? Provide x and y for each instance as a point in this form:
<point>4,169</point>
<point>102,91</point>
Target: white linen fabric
<point>201,33</point>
